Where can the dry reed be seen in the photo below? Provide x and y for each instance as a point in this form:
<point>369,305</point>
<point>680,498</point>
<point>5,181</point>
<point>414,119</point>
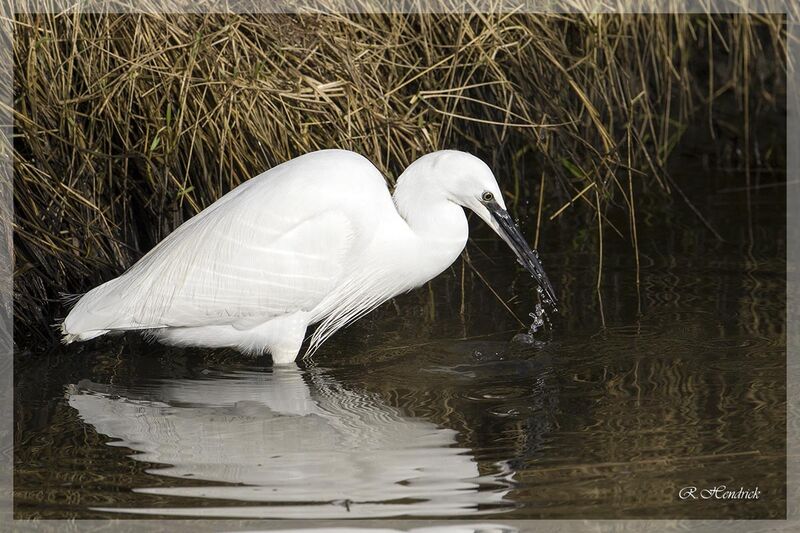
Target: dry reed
<point>128,124</point>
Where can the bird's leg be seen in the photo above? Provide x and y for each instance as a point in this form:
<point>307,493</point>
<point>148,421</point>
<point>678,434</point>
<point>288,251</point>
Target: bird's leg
<point>284,335</point>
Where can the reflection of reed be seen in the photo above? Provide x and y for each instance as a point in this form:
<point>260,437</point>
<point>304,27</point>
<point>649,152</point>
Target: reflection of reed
<point>663,421</point>
<point>303,448</point>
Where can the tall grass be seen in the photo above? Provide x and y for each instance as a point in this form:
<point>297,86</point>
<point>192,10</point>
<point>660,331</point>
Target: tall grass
<point>128,124</point>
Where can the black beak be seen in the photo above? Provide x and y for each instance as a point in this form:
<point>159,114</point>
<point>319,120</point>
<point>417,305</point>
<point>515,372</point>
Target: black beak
<point>527,257</point>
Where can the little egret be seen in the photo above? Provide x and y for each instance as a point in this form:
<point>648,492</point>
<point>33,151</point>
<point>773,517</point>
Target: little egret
<point>318,239</point>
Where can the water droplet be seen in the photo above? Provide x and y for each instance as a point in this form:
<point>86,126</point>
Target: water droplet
<point>538,317</point>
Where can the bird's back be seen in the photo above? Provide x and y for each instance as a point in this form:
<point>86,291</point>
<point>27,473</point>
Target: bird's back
<point>278,243</point>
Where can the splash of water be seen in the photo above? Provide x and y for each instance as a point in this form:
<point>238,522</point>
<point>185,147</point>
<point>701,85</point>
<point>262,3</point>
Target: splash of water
<point>540,320</point>
<point>538,317</point>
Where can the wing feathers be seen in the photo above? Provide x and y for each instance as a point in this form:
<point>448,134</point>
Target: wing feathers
<point>217,274</point>
<point>284,241</point>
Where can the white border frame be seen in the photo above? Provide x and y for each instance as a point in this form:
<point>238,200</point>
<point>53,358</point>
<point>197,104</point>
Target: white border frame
<point>10,7</point>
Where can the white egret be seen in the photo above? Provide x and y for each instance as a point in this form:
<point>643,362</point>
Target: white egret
<point>318,239</point>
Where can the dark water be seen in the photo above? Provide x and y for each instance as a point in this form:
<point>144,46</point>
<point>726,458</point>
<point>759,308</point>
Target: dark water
<point>422,410</point>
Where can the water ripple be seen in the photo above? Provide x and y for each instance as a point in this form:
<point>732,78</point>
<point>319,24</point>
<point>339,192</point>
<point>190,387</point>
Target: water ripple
<point>287,438</point>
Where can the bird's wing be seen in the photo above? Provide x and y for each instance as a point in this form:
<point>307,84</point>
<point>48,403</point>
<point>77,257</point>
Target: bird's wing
<point>247,258</point>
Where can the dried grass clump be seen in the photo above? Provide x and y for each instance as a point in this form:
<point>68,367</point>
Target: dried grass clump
<point>128,124</point>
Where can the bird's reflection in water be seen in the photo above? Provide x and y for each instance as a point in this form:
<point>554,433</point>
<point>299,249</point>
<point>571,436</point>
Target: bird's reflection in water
<point>294,440</point>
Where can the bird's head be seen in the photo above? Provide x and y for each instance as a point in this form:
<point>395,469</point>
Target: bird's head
<point>469,182</point>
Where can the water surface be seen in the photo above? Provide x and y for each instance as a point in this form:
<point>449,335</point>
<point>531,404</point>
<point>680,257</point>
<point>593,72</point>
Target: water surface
<point>427,409</point>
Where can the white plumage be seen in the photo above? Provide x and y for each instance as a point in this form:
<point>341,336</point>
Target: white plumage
<point>316,239</point>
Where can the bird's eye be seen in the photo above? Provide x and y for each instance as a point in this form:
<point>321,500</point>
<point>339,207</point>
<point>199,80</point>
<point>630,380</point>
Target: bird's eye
<point>487,196</point>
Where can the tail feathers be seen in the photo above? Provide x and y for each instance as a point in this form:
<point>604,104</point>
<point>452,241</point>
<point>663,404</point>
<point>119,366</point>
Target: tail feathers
<point>90,316</point>
<point>70,299</point>
<point>68,338</point>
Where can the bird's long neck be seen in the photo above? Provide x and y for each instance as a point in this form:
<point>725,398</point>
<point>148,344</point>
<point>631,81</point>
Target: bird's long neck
<point>424,206</point>
<point>422,211</point>
<point>438,227</point>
